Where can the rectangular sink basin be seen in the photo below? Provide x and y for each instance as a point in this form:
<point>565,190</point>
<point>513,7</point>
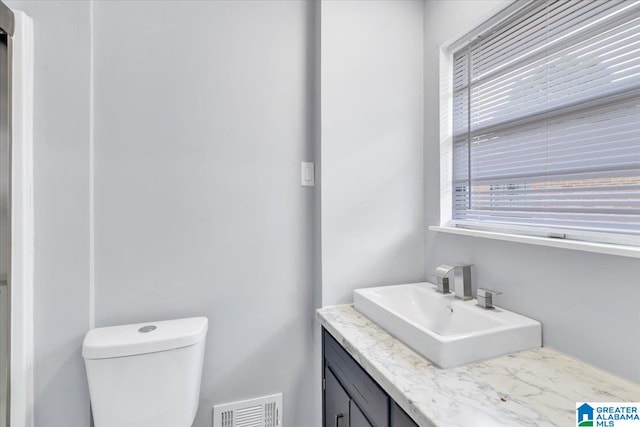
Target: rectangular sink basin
<point>447,331</point>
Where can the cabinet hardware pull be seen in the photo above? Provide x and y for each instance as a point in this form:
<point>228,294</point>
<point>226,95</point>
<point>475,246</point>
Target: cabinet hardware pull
<point>338,416</point>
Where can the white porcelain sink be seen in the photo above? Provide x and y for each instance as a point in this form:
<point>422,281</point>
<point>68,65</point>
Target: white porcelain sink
<point>446,330</point>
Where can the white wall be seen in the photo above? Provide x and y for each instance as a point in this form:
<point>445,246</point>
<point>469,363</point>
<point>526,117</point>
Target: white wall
<point>372,145</point>
<point>61,199</point>
<point>587,302</point>
<point>202,116</point>
<point>203,112</point>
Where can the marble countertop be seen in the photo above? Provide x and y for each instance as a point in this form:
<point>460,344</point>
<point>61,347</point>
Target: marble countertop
<point>532,388</point>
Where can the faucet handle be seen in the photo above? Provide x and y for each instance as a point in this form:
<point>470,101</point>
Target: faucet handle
<point>442,281</point>
<point>485,297</point>
<point>462,280</point>
<point>442,284</point>
<point>484,292</point>
<point>443,270</point>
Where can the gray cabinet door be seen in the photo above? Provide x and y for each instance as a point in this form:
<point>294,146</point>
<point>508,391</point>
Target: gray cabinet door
<point>357,417</point>
<point>399,418</point>
<point>336,402</point>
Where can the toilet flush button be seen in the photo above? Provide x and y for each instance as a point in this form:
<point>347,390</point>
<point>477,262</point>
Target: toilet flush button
<point>146,329</point>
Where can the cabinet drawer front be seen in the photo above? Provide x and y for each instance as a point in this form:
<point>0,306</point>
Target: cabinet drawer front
<point>368,395</point>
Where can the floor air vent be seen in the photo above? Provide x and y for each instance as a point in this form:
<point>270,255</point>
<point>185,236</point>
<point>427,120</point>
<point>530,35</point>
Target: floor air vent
<point>261,412</point>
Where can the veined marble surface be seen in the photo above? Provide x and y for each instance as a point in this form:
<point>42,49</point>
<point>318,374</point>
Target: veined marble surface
<point>532,388</point>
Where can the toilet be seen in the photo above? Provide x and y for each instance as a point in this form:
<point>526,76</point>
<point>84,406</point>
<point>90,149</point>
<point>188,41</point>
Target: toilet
<point>147,374</point>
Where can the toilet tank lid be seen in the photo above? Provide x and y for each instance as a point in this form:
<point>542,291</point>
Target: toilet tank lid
<point>142,338</point>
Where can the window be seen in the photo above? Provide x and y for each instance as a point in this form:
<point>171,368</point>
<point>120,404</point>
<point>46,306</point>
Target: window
<point>546,122</point>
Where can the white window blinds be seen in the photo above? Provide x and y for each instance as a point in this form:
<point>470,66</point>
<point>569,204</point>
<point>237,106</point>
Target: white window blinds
<point>546,121</point>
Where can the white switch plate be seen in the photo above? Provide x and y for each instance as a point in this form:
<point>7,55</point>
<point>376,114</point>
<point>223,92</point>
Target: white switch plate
<point>307,174</point>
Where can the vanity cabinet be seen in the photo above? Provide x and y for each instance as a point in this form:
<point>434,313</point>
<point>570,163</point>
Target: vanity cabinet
<point>399,418</point>
<point>356,417</point>
<point>337,403</point>
<point>351,398</point>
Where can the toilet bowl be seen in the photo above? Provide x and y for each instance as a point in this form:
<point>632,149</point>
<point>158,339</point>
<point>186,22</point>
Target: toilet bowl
<point>146,374</point>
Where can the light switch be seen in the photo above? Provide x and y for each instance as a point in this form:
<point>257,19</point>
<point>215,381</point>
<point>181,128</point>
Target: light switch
<point>307,174</point>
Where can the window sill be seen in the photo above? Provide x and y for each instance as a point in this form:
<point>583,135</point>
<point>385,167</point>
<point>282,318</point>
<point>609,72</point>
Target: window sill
<point>600,248</point>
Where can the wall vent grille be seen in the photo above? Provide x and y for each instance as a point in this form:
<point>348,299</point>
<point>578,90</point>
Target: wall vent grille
<point>264,411</point>
<point>270,411</point>
<point>227,419</point>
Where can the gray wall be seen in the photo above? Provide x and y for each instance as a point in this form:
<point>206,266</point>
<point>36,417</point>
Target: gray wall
<point>372,145</point>
<point>61,200</point>
<point>202,116</point>
<point>203,112</point>
<point>587,302</point>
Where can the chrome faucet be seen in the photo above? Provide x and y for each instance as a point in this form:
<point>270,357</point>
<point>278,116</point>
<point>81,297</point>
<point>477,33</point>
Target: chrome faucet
<point>461,280</point>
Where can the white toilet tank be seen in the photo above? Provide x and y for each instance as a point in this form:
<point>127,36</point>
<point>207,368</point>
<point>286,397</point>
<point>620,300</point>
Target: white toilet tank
<point>147,374</point>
